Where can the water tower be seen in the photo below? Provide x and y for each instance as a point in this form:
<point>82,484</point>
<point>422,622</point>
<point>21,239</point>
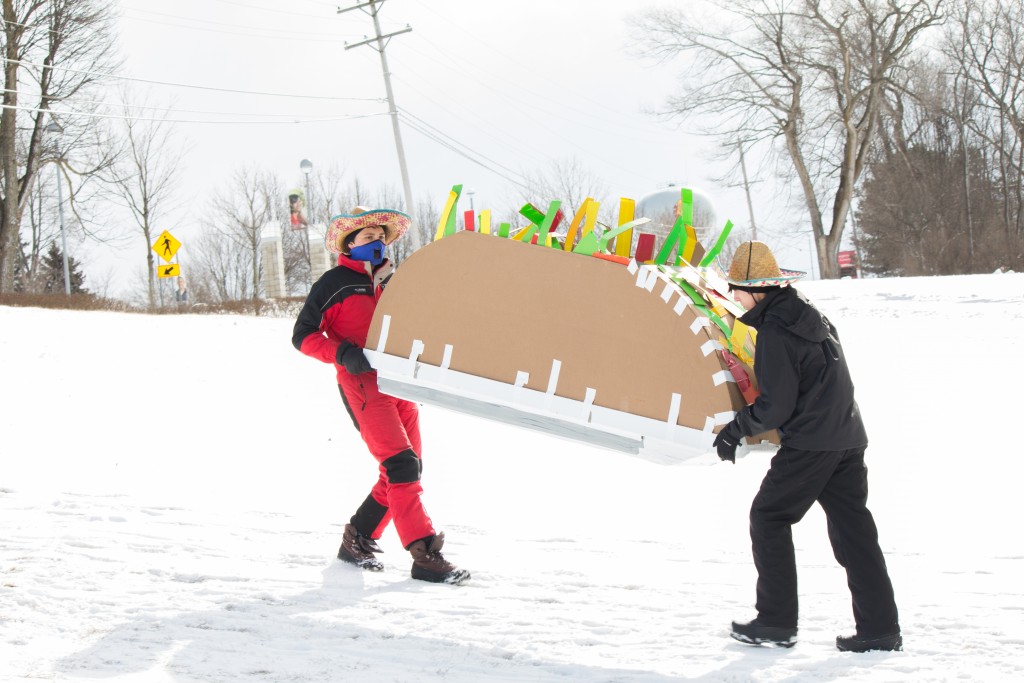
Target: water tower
<point>661,207</point>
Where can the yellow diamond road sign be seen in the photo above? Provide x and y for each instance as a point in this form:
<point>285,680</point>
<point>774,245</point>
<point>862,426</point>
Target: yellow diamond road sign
<point>169,270</point>
<point>166,246</point>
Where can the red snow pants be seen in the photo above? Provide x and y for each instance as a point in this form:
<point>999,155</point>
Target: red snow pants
<point>391,430</point>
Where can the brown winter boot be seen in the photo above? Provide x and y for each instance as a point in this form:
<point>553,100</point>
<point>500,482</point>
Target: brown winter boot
<point>358,550</point>
<point>428,564</point>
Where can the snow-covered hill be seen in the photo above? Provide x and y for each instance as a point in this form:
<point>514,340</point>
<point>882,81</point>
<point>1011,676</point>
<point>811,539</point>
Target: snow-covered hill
<point>172,490</point>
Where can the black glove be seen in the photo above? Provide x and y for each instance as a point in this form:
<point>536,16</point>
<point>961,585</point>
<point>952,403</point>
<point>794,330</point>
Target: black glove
<point>352,358</point>
<point>726,443</point>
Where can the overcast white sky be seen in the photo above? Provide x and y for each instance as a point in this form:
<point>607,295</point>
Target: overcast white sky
<point>518,85</point>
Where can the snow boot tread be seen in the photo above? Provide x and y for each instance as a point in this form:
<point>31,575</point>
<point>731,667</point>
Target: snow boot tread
<point>892,642</point>
<point>756,633</point>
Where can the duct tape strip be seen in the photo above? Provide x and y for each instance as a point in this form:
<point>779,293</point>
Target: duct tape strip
<point>414,353</point>
<point>588,399</point>
<point>632,266</point>
<point>722,377</point>
<point>709,347</point>
<point>725,417</point>
<point>385,327</point>
<point>673,415</point>
<point>588,404</point>
<point>556,366</point>
<point>446,359</point>
<point>641,277</point>
<point>709,424</point>
<point>517,388</point>
<point>666,293</point>
<point>699,323</point>
<point>681,305</point>
<point>652,277</point>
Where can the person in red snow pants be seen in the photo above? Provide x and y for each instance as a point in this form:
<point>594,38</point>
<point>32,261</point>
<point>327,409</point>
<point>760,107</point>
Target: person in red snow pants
<point>332,327</point>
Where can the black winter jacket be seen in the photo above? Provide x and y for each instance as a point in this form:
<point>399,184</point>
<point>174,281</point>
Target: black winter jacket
<point>806,390</point>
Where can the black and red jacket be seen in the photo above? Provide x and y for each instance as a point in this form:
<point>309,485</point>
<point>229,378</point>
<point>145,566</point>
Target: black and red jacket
<point>339,308</point>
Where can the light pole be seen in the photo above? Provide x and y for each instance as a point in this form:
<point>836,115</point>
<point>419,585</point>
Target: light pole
<point>810,245</point>
<point>306,166</point>
<point>55,128</point>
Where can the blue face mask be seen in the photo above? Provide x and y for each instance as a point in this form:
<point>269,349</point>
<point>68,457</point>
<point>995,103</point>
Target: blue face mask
<point>372,252</point>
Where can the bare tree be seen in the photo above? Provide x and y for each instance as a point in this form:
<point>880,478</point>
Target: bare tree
<point>987,42</point>
<point>243,211</point>
<point>424,223</point>
<point>146,177</point>
<point>568,180</point>
<point>53,51</point>
<point>806,74</point>
<point>219,272</point>
<point>930,200</point>
<point>38,230</point>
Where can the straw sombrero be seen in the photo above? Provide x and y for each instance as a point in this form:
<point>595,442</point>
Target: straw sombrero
<point>753,265</point>
<point>395,223</point>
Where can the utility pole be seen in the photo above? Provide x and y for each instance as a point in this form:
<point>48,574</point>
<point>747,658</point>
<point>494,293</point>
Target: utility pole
<point>856,238</point>
<point>746,188</point>
<point>306,166</point>
<point>374,9</point>
<point>55,128</point>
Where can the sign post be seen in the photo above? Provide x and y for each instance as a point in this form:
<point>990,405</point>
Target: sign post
<point>166,246</point>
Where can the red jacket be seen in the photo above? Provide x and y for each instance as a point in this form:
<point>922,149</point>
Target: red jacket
<point>340,307</point>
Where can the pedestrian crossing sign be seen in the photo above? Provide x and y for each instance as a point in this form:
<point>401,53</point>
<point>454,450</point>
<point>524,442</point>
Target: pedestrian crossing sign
<point>166,246</point>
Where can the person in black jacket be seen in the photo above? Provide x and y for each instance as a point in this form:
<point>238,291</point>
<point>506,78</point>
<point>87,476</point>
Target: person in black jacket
<point>806,393</point>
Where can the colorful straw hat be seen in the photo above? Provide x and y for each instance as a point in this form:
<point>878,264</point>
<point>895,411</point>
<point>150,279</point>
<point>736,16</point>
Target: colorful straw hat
<point>395,223</point>
<point>754,266</point>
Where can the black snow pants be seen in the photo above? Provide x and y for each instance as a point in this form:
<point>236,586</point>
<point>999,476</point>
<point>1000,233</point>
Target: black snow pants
<point>838,480</point>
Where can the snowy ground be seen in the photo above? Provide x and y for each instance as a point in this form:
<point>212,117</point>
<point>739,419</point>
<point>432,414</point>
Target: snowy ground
<point>172,491</point>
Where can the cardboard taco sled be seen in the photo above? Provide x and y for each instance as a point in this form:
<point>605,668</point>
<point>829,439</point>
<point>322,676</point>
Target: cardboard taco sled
<point>618,356</point>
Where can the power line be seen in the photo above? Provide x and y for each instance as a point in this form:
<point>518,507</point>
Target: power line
<point>250,6</point>
<point>428,134</point>
<point>589,151</point>
<point>174,110</point>
<point>274,32</point>
<point>266,32</point>
<point>512,143</point>
<point>196,87</point>
<point>94,115</point>
<point>441,133</point>
<point>492,48</point>
<point>563,111</point>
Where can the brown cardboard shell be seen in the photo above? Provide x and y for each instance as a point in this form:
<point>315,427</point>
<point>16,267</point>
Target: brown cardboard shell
<point>507,308</point>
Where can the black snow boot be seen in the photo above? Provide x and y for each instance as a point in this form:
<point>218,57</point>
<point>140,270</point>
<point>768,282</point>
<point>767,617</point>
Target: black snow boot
<point>890,643</point>
<point>359,550</point>
<point>428,564</point>
<point>756,633</point>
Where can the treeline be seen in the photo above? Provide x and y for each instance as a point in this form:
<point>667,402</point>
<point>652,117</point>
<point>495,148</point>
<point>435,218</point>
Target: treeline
<point>899,118</point>
<point>945,185</point>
